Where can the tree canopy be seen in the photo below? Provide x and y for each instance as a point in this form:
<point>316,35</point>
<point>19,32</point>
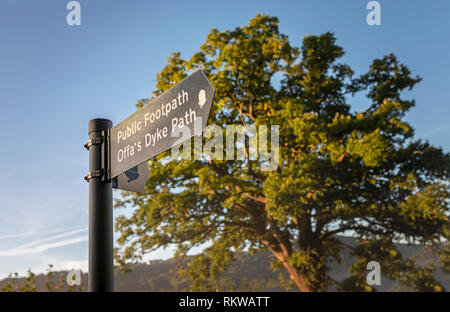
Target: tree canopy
<point>343,170</point>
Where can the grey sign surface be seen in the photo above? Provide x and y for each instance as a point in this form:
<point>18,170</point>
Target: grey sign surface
<point>156,127</point>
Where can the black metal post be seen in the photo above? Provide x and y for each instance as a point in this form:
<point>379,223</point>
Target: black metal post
<point>101,273</point>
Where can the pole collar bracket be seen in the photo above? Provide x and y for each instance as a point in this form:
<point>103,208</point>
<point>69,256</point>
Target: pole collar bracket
<point>94,174</point>
<point>93,141</point>
<point>102,168</point>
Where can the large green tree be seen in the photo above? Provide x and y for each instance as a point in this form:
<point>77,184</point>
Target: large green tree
<point>342,170</point>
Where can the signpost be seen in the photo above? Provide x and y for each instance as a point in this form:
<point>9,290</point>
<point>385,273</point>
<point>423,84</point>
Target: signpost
<point>149,131</point>
<point>101,274</point>
<point>117,159</point>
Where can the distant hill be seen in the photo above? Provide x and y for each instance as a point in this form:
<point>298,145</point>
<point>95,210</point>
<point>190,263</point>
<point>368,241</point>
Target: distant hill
<point>246,273</point>
<point>423,257</point>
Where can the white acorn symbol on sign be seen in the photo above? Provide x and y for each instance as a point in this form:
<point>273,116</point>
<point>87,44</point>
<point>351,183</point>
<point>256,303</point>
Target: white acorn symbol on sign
<point>201,98</point>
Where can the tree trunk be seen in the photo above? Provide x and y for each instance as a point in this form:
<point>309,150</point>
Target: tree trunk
<point>298,278</point>
<point>281,248</point>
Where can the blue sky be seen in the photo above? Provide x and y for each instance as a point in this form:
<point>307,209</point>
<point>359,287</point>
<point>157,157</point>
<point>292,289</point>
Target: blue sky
<point>54,78</point>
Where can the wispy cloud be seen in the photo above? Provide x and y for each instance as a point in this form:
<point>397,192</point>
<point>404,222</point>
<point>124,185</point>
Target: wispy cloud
<point>44,244</point>
<point>20,251</point>
<point>34,232</point>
